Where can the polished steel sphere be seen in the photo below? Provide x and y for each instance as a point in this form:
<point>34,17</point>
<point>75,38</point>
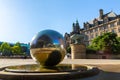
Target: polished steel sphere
<point>48,48</point>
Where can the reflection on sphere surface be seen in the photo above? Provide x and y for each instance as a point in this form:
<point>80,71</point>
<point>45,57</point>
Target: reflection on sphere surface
<point>48,48</point>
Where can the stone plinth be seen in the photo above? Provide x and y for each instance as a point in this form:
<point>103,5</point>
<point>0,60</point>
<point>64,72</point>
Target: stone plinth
<point>78,51</point>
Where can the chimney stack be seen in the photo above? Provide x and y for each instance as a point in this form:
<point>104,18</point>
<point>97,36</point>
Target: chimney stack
<point>101,13</point>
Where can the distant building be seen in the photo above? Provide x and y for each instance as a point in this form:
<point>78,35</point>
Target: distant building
<point>26,48</point>
<point>109,22</point>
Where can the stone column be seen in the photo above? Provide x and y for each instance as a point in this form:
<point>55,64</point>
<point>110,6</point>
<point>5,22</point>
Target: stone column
<point>78,51</point>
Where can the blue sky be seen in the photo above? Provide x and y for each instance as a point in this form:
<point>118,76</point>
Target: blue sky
<point>20,20</point>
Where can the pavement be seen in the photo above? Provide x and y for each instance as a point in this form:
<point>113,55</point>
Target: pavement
<point>109,68</point>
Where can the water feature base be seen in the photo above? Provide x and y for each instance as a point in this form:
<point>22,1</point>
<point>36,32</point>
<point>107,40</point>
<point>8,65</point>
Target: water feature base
<point>36,72</point>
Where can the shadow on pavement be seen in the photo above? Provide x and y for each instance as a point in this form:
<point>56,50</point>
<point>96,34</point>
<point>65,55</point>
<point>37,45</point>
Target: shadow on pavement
<point>104,75</point>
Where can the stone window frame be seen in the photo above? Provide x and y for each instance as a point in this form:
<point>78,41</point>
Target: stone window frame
<point>119,29</point>
<point>105,20</point>
<point>101,28</point>
<point>113,31</point>
<point>91,31</point>
<point>105,27</point>
<point>112,24</point>
<point>85,28</point>
<point>96,34</point>
<point>95,22</point>
<point>96,29</point>
<point>85,32</point>
<point>86,37</point>
<point>100,33</point>
<point>92,36</point>
<point>106,31</point>
<point>118,23</point>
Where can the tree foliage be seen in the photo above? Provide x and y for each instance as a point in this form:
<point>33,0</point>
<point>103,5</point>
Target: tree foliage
<point>16,50</point>
<point>7,50</point>
<point>68,49</point>
<point>18,47</point>
<point>106,40</point>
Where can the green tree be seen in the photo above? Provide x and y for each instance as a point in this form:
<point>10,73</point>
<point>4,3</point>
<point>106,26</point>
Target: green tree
<point>107,40</point>
<point>5,49</point>
<point>96,43</point>
<point>17,44</point>
<point>69,49</point>
<point>17,49</point>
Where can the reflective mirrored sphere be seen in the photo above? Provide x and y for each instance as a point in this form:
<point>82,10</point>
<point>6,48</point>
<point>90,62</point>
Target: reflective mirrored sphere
<point>48,48</point>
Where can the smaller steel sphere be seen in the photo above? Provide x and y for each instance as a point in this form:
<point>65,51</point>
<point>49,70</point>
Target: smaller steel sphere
<point>48,48</point>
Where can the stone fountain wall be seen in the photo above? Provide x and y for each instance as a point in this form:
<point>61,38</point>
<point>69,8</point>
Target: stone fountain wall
<point>78,51</point>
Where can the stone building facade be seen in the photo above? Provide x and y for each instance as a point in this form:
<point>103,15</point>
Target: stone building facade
<point>109,22</point>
